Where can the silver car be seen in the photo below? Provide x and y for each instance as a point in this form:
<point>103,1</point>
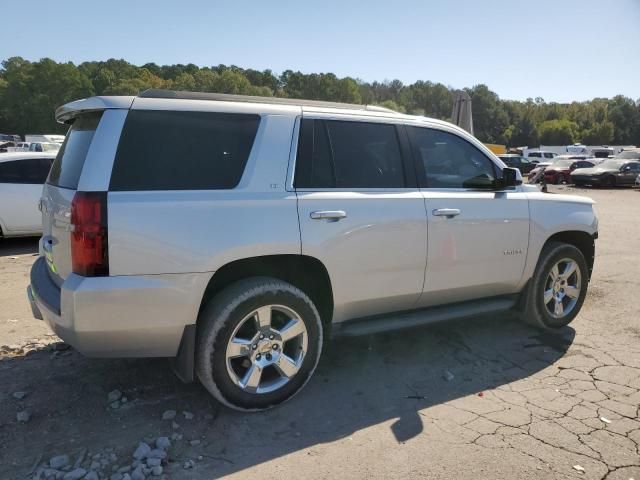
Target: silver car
<point>234,234</point>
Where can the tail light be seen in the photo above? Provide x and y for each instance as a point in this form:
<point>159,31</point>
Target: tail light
<point>89,247</point>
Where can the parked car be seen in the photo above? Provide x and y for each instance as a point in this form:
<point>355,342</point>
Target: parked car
<point>540,155</point>
<point>536,170</point>
<point>560,170</point>
<point>234,233</point>
<point>22,175</point>
<point>611,172</point>
<point>517,161</point>
<point>10,138</point>
<point>44,146</point>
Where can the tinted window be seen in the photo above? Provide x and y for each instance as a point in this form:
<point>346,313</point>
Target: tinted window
<point>168,150</point>
<point>32,171</point>
<point>535,155</point>
<point>336,154</point>
<point>68,164</point>
<point>449,161</point>
<point>548,155</point>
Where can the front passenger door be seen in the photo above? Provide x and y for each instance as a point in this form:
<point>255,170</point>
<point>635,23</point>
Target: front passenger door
<point>478,237</point>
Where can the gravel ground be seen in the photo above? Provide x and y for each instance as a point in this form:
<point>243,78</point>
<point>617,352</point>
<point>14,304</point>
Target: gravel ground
<point>486,398</point>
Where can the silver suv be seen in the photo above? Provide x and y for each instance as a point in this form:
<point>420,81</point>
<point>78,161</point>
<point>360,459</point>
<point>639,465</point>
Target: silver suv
<point>232,234</point>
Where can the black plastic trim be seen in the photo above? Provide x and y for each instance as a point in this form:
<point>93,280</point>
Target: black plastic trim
<point>417,318</point>
<point>43,287</point>
<point>183,364</point>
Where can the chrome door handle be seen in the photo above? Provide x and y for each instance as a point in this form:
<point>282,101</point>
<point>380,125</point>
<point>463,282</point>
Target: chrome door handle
<point>334,215</point>
<point>446,212</point>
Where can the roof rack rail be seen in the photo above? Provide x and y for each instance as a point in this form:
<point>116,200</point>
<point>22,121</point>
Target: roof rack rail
<point>225,97</point>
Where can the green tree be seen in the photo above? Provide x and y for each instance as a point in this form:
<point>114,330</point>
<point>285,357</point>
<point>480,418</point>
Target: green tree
<point>558,132</point>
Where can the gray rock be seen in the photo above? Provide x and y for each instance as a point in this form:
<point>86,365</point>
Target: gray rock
<point>19,395</point>
<point>137,474</point>
<point>194,443</point>
<point>113,457</point>
<point>208,416</point>
<point>156,471</point>
<point>187,415</point>
<point>92,475</point>
<point>175,425</point>
<point>114,396</point>
<point>142,451</point>
<point>124,399</point>
<point>24,416</point>
<point>97,456</point>
<point>448,376</point>
<point>95,465</point>
<point>188,464</point>
<point>116,476</point>
<point>176,436</point>
<point>125,469</point>
<point>152,462</point>
<point>169,415</point>
<point>115,405</point>
<point>126,476</point>
<point>59,461</point>
<point>157,453</point>
<point>163,442</point>
<point>75,474</point>
<point>49,473</point>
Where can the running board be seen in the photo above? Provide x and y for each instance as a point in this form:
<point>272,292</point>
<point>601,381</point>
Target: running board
<point>417,318</point>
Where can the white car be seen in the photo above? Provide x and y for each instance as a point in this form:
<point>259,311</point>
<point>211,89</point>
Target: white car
<point>44,147</point>
<point>22,175</point>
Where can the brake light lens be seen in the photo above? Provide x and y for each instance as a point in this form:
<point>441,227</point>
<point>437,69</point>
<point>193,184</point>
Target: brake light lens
<point>89,247</point>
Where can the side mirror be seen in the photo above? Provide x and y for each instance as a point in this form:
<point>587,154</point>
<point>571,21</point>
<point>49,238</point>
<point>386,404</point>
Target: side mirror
<point>510,177</point>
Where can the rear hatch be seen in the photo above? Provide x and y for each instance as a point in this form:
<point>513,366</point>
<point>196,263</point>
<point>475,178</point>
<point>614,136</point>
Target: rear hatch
<point>58,194</point>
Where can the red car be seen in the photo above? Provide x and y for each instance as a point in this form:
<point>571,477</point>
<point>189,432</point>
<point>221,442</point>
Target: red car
<point>560,170</point>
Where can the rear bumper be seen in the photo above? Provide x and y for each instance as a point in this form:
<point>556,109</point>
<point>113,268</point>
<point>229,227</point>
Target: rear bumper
<point>122,316</point>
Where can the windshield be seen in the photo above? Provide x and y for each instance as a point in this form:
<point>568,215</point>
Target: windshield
<point>612,164</point>
<point>628,155</point>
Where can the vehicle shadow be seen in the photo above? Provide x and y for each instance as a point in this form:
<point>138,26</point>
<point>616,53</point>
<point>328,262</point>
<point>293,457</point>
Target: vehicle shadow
<point>18,246</point>
<point>360,382</point>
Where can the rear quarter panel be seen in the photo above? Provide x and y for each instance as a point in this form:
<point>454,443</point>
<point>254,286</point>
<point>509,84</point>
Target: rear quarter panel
<point>163,232</point>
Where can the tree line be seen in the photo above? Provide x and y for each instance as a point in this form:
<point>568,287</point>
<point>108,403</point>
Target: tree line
<point>31,91</point>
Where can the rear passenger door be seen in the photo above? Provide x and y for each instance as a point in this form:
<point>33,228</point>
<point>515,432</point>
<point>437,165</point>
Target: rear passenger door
<point>20,190</point>
<point>361,213</point>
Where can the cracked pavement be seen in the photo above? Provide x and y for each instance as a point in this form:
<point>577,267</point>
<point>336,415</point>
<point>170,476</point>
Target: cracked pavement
<point>521,403</point>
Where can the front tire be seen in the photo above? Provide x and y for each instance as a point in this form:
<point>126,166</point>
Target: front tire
<point>558,287</point>
<point>258,343</point>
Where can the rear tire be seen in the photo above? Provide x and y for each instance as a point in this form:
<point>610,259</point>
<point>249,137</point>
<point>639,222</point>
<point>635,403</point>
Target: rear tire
<point>558,287</point>
<point>258,343</point>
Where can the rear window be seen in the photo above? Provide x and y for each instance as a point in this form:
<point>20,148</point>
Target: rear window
<point>68,164</point>
<point>172,150</point>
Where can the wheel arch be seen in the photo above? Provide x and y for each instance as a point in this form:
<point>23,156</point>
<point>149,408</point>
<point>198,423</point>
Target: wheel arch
<point>583,241</point>
<point>304,272</point>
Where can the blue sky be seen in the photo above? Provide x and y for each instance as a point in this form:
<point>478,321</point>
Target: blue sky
<point>560,50</point>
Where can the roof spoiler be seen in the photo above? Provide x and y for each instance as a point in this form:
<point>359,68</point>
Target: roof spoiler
<point>67,112</point>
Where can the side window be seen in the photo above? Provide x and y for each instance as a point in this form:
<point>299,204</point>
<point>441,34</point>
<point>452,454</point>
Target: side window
<point>342,154</point>
<point>449,161</point>
<point>548,155</point>
<point>31,171</point>
<point>180,150</point>
<point>535,155</point>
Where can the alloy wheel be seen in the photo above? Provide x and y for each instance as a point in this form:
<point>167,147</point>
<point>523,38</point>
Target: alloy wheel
<point>266,349</point>
<point>562,288</point>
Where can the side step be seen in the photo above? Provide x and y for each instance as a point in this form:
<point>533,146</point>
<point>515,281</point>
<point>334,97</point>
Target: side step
<point>416,318</point>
